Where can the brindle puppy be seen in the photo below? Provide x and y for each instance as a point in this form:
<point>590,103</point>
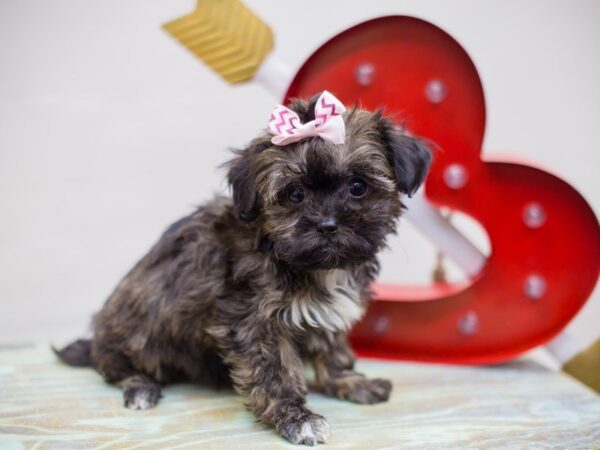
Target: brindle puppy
<point>246,290</point>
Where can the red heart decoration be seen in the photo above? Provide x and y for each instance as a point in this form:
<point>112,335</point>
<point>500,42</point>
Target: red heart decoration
<point>545,239</point>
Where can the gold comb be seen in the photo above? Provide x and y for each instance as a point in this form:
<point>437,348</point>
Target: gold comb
<point>225,35</point>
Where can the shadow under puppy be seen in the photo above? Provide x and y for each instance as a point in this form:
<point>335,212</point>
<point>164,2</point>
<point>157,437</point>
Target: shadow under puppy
<point>246,290</point>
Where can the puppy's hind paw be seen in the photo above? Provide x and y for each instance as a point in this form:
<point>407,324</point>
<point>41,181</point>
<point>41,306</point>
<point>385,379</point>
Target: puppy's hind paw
<point>140,399</point>
<point>140,394</point>
<point>306,429</point>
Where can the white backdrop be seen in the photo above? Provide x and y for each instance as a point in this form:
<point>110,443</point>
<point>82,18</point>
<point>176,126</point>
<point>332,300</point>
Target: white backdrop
<point>110,130</point>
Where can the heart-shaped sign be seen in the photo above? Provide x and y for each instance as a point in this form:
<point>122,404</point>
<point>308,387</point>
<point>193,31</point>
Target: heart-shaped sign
<point>545,239</point>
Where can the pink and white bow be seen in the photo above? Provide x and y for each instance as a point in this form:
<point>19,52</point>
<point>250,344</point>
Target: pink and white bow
<point>328,124</point>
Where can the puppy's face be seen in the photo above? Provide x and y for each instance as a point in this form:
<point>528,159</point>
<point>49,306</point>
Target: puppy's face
<point>324,206</point>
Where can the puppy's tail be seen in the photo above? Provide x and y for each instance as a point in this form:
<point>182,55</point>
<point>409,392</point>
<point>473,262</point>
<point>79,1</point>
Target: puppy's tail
<point>77,354</point>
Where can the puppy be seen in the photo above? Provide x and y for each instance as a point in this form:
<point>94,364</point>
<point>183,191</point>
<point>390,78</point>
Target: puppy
<point>246,290</point>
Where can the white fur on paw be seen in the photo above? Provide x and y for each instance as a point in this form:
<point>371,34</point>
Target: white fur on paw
<point>313,431</point>
<point>140,401</point>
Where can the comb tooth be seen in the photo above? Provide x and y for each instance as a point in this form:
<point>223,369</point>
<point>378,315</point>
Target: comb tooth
<point>226,35</point>
<point>190,21</point>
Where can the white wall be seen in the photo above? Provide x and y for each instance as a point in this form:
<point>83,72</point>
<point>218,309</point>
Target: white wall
<point>109,130</point>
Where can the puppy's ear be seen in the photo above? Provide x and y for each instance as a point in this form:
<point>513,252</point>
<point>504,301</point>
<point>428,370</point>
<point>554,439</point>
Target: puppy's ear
<point>410,157</point>
<point>241,178</point>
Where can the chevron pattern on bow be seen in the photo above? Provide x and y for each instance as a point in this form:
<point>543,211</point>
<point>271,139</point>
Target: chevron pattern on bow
<point>286,127</point>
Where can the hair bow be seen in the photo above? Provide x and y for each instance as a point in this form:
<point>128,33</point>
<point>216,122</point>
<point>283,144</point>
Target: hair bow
<point>328,124</point>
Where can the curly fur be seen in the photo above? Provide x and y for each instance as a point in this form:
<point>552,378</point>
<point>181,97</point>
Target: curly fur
<point>246,289</point>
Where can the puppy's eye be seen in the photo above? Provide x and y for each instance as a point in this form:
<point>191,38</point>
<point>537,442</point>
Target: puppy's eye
<point>357,187</point>
<point>296,194</point>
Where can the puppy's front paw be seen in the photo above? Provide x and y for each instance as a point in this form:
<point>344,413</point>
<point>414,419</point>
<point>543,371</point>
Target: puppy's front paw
<point>303,427</point>
<point>367,391</point>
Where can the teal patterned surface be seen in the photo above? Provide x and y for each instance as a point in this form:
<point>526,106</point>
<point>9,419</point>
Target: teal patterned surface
<point>45,405</point>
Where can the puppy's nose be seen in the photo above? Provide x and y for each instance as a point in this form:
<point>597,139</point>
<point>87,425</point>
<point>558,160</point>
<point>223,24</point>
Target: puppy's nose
<point>327,225</point>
